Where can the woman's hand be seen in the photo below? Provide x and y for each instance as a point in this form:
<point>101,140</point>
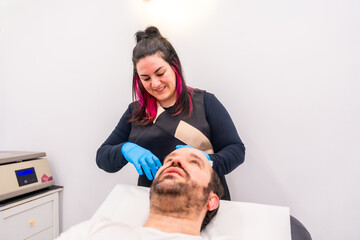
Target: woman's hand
<point>141,157</point>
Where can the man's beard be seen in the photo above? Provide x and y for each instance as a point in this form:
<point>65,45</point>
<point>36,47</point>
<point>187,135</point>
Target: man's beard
<point>177,198</point>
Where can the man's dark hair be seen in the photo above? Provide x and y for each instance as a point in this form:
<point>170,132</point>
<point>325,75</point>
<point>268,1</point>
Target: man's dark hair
<point>216,187</point>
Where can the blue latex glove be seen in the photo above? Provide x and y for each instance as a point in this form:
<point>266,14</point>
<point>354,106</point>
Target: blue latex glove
<point>188,146</point>
<point>141,157</point>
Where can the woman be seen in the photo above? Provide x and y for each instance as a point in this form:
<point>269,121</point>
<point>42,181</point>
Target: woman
<point>166,113</point>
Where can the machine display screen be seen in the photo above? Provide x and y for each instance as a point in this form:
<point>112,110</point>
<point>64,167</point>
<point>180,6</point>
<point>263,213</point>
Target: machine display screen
<point>26,176</point>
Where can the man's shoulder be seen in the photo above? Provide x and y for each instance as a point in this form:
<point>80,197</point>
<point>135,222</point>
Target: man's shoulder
<point>105,228</point>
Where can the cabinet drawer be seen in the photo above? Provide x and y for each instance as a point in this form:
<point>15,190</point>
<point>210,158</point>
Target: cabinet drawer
<point>47,234</point>
<point>26,223</point>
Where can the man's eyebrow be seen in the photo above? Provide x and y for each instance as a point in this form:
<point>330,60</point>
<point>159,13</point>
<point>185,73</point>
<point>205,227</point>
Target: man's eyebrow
<point>144,75</point>
<point>170,155</point>
<point>193,155</point>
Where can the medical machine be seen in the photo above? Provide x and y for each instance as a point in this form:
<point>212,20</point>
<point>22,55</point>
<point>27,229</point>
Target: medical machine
<point>23,172</point>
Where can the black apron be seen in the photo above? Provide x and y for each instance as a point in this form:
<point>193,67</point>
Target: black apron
<point>167,131</point>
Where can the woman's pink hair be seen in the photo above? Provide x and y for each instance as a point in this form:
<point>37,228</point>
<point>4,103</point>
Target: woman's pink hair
<point>149,102</point>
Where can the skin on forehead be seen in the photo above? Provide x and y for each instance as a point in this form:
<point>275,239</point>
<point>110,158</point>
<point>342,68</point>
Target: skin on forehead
<point>193,161</point>
<point>189,152</point>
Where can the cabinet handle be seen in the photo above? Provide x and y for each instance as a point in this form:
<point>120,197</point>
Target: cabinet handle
<point>32,223</point>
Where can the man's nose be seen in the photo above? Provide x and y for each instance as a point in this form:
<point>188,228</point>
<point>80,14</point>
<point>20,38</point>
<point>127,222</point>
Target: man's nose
<point>176,162</point>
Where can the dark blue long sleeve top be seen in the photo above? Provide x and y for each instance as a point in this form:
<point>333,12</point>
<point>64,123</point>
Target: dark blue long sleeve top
<point>229,150</point>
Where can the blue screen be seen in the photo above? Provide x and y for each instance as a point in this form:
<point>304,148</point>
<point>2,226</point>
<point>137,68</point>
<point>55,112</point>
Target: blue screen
<point>25,172</point>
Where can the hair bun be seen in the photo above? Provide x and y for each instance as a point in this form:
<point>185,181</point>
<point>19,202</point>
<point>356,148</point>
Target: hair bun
<point>152,32</point>
<point>140,35</point>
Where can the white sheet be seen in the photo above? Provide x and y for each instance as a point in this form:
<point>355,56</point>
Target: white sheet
<point>235,220</point>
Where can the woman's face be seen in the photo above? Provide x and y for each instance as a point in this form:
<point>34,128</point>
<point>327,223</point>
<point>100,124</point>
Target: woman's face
<point>158,78</point>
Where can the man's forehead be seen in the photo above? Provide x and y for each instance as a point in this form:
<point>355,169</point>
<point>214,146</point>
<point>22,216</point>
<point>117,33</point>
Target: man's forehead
<point>189,152</point>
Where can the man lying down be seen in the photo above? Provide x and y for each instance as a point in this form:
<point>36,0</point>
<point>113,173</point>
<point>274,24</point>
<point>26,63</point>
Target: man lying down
<point>184,197</point>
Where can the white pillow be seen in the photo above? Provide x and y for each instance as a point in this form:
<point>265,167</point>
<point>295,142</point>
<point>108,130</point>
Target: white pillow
<point>234,220</point>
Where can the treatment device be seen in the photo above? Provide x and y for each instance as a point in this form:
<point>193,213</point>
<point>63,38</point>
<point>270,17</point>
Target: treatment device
<point>23,172</point>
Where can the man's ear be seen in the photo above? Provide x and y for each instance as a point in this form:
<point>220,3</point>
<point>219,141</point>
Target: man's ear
<point>213,202</point>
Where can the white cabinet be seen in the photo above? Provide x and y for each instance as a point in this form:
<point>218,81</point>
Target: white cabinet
<point>33,217</point>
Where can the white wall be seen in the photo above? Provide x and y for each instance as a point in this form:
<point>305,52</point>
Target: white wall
<point>287,71</point>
